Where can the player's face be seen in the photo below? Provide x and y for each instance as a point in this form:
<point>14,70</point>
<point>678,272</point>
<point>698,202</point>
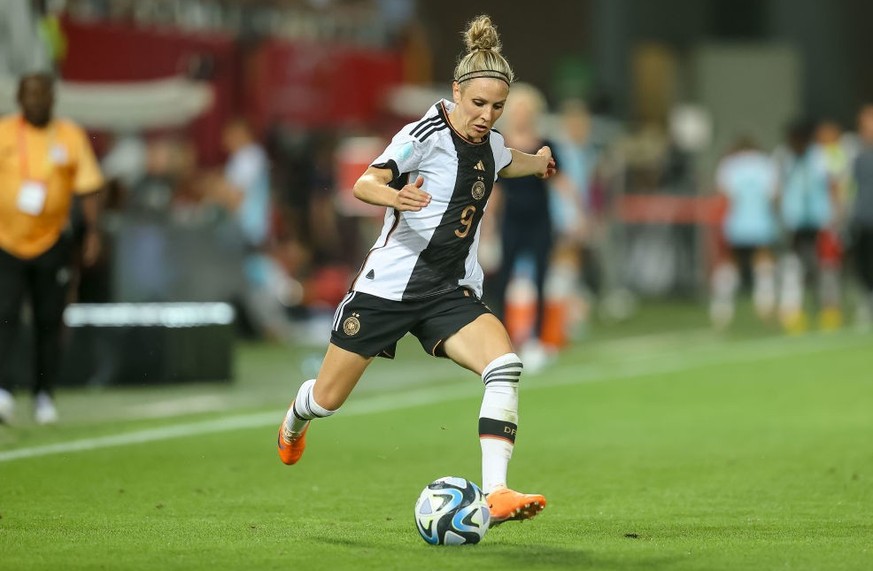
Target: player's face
<point>36,98</point>
<point>479,103</point>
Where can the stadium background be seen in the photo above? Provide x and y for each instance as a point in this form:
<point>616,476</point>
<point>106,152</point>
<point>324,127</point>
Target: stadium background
<point>325,83</point>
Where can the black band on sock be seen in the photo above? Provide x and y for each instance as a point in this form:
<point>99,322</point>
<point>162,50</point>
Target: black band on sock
<point>509,372</point>
<point>297,414</point>
<point>491,428</point>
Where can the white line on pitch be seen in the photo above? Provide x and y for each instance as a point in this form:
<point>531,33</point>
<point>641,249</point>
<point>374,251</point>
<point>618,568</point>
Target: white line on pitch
<point>666,363</point>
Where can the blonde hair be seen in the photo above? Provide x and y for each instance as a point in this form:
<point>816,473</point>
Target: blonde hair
<point>483,57</point>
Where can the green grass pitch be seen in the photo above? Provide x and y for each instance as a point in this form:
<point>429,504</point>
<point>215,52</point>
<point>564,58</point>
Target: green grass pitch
<point>675,450</point>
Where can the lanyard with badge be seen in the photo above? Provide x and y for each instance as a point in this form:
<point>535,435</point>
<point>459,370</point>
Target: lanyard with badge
<point>33,190</point>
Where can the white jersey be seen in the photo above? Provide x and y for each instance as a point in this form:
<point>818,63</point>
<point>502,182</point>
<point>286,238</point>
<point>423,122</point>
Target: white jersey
<point>433,251</point>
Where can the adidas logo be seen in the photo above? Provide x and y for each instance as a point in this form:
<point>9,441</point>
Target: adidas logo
<point>371,275</point>
<point>479,166</point>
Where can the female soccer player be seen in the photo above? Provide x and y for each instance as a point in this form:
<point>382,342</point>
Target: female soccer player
<point>422,275</point>
<point>748,179</point>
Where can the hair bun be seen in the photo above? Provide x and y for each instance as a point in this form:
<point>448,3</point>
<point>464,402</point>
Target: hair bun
<point>481,35</point>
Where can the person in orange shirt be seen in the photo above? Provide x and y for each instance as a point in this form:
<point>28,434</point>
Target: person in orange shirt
<point>44,162</point>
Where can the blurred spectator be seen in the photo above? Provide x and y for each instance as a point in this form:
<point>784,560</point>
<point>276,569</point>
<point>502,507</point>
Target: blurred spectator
<point>807,211</point>
<point>862,213</point>
<point>147,198</point>
<point>51,33</point>
<point>839,152</point>
<point>525,218</point>
<point>51,161</point>
<point>747,178</point>
<point>150,190</point>
<point>572,207</point>
<point>244,190</point>
<point>578,159</point>
<point>647,149</point>
<point>126,162</point>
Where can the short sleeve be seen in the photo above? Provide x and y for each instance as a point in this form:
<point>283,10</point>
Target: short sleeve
<point>88,177</point>
<point>402,155</point>
<point>502,154</point>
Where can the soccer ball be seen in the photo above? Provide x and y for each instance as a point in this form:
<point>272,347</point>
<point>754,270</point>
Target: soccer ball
<point>452,511</point>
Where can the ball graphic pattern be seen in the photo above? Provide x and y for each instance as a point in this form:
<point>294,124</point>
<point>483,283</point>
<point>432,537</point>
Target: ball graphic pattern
<point>452,511</point>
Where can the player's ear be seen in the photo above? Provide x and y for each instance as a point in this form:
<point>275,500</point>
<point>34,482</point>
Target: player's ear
<point>456,92</point>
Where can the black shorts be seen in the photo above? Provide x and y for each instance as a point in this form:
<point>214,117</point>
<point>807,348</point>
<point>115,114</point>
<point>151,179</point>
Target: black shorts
<point>371,326</point>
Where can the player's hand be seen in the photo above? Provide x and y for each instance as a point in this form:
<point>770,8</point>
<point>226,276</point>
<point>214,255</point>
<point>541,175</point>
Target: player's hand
<point>549,166</point>
<point>411,197</point>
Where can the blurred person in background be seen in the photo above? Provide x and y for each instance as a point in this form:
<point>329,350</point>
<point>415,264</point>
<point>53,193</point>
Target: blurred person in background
<point>808,214</point>
<point>125,164</point>
<point>572,208</point>
<point>747,178</point>
<point>146,183</point>
<point>525,219</point>
<point>422,275</point>
<point>244,189</point>
<point>861,216</point>
<point>44,162</point>
<point>838,151</point>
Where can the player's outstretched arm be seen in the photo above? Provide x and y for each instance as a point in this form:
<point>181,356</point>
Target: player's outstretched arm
<point>373,188</point>
<point>541,164</point>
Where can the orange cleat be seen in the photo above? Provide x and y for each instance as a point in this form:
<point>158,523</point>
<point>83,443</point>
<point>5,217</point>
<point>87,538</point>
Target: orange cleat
<point>291,449</point>
<point>508,505</point>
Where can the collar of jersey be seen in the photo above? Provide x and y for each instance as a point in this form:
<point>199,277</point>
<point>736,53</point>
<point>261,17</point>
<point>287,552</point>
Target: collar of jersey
<point>443,108</point>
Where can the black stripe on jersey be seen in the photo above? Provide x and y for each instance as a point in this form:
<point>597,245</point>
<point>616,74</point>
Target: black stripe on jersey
<point>424,124</point>
<point>399,181</point>
<point>390,164</point>
<point>442,263</point>
<point>432,130</point>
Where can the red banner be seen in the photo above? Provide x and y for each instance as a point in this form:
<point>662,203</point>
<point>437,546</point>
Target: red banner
<point>671,209</point>
<point>318,85</point>
<point>108,52</point>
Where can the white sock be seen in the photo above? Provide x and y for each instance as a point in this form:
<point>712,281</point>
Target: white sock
<point>498,419</point>
<point>764,289</point>
<point>829,286</point>
<point>303,410</point>
<point>725,281</point>
<point>791,300</point>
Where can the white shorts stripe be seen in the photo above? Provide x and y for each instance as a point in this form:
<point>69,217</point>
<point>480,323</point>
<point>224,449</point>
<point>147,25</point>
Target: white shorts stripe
<point>339,310</point>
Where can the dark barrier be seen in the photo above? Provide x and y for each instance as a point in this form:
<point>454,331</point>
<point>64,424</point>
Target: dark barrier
<point>147,343</point>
